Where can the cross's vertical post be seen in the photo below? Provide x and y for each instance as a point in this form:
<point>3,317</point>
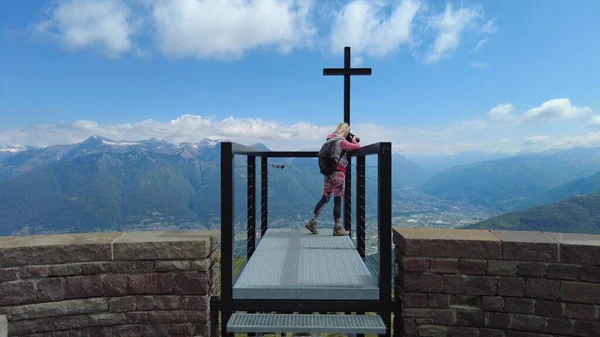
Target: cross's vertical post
<point>347,85</point>
<point>347,71</point>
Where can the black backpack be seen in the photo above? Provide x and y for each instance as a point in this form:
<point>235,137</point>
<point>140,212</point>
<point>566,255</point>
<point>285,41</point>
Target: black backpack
<point>327,164</point>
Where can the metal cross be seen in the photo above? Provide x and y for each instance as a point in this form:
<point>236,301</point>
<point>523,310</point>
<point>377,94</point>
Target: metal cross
<point>347,72</point>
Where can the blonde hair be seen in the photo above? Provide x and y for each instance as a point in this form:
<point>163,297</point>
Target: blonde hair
<point>342,129</point>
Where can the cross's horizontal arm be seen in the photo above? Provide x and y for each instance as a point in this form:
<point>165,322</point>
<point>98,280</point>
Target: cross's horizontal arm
<point>343,71</point>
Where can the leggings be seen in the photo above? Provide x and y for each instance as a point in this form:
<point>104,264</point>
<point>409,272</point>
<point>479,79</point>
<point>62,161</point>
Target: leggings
<point>337,206</point>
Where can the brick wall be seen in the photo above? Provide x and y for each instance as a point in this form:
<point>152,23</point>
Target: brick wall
<point>463,283</point>
<point>108,284</point>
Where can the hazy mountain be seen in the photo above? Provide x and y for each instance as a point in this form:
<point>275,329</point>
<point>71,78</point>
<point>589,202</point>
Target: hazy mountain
<point>9,150</point>
<point>100,184</point>
<point>26,161</point>
<point>113,190</point>
<point>504,182</point>
<point>583,186</point>
<point>579,214</point>
<point>438,163</point>
<point>406,173</point>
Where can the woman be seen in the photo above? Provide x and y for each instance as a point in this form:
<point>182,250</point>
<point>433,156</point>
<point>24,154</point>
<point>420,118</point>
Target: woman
<point>336,182</point>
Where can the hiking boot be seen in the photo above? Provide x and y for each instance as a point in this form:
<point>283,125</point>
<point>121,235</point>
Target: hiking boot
<point>340,231</point>
<point>312,226</point>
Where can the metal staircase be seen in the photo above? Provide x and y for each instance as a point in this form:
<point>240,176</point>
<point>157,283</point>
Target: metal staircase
<point>306,323</point>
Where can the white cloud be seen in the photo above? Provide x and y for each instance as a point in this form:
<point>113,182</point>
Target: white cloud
<point>556,109</point>
<point>229,29</point>
<point>484,134</point>
<point>450,26</point>
<point>226,29</point>
<point>502,113</point>
<point>106,25</point>
<point>222,29</point>
<point>538,140</point>
<point>364,26</point>
<point>356,61</point>
<point>540,143</point>
<point>595,121</point>
<point>85,125</point>
<point>186,128</point>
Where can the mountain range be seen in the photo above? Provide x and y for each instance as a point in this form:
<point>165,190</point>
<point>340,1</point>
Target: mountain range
<point>579,214</point>
<point>516,182</point>
<point>103,184</point>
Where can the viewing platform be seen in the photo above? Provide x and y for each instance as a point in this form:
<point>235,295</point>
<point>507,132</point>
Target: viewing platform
<point>296,264</point>
<point>292,280</point>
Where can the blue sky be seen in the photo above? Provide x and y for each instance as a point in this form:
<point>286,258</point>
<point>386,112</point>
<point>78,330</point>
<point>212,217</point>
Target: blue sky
<point>447,76</point>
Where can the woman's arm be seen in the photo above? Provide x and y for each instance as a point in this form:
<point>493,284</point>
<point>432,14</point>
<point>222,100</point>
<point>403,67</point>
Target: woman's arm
<point>346,145</point>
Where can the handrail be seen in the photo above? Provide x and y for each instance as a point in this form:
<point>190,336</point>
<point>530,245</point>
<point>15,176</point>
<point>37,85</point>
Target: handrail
<point>280,154</point>
<point>237,148</point>
<point>368,149</point>
<point>249,151</point>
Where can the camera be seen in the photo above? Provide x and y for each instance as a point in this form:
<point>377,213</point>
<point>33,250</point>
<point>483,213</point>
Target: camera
<point>350,135</point>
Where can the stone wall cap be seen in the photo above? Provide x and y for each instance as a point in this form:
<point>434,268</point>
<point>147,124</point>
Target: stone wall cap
<point>169,236</point>
<point>523,236</point>
<point>575,239</point>
<point>165,245</point>
<point>446,234</point>
<point>106,237</point>
<point>59,239</point>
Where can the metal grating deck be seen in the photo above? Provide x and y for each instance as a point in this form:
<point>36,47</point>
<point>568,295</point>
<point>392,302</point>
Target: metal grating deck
<point>306,323</point>
<point>295,264</point>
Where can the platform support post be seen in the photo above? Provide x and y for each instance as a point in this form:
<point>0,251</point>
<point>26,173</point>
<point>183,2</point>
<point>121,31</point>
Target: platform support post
<point>251,206</point>
<point>360,206</point>
<point>227,232</point>
<point>264,194</point>
<point>398,319</point>
<point>214,323</point>
<point>384,204</point>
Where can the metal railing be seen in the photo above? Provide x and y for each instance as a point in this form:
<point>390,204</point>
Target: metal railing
<point>226,304</point>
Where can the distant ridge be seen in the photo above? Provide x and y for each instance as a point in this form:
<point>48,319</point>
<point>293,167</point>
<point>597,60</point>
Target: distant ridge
<point>580,214</point>
<point>504,183</point>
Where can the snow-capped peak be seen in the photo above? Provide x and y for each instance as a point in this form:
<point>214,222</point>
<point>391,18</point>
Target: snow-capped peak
<point>210,142</point>
<point>187,145</point>
<point>14,148</point>
<point>109,142</point>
